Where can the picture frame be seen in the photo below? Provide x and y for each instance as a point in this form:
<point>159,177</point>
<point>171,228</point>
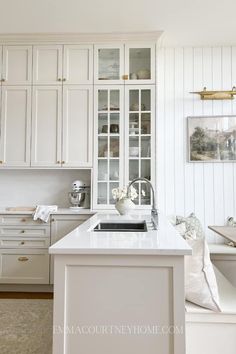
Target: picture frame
<point>211,138</point>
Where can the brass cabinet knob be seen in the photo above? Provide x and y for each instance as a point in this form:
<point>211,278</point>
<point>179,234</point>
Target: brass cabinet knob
<point>52,220</point>
<point>58,162</point>
<point>1,162</point>
<point>63,162</point>
<point>23,259</point>
<point>22,231</point>
<point>64,79</point>
<point>3,80</point>
<point>59,79</point>
<point>22,242</point>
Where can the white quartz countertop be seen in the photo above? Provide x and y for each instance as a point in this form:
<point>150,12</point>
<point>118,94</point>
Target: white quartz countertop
<point>60,211</point>
<point>82,240</point>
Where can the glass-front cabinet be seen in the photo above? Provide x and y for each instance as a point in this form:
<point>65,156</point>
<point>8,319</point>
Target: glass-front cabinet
<point>109,113</point>
<point>140,143</point>
<point>131,64</point>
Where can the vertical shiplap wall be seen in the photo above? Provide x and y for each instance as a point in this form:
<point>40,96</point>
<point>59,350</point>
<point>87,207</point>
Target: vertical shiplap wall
<point>208,189</point>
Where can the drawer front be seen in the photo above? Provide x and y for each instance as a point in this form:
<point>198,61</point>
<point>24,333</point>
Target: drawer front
<point>24,268</point>
<point>12,242</point>
<point>20,220</point>
<point>39,231</point>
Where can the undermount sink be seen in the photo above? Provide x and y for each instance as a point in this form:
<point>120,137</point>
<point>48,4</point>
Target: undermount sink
<point>123,226</point>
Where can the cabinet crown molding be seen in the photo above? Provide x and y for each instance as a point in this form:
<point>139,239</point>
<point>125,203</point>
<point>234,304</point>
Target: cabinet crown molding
<point>16,38</point>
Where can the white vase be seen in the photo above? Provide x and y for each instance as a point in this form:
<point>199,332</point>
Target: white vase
<point>124,206</point>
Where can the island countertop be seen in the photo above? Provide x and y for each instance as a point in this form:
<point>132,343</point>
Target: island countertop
<point>83,240</point>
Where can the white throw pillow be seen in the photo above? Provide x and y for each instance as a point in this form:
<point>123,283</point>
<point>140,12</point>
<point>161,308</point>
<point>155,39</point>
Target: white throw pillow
<point>200,281</point>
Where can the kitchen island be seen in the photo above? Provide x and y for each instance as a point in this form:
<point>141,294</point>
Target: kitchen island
<point>119,292</point>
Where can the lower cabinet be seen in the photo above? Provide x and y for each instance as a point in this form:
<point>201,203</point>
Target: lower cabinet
<point>61,225</point>
<point>24,266</point>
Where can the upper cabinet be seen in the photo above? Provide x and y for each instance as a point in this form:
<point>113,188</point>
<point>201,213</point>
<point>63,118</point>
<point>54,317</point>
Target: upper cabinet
<point>16,65</point>
<point>68,64</point>
<point>47,64</point>
<point>129,63</point>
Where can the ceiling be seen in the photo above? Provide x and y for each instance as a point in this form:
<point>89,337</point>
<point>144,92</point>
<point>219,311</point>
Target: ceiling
<point>184,22</point>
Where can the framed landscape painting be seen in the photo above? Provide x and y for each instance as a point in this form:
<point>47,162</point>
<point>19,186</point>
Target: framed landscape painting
<point>212,138</point>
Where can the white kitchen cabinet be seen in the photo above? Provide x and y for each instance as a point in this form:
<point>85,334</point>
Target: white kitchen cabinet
<point>124,63</point>
<point>77,126</point>
<point>15,126</point>
<point>61,225</point>
<point>46,126</point>
<point>109,143</point>
<point>78,64</point>
<point>17,65</point>
<point>47,64</point>
<point>67,64</point>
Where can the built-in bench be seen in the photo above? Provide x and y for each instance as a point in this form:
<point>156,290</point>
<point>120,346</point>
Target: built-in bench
<point>209,332</point>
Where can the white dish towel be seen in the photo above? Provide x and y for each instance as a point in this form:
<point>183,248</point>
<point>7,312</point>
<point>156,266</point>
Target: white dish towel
<point>43,212</point>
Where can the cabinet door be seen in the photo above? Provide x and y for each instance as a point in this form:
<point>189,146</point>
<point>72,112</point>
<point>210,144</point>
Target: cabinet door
<point>15,126</point>
<point>61,225</point>
<point>109,64</point>
<point>108,137</point>
<point>77,126</point>
<point>140,63</point>
<point>46,126</point>
<point>78,64</point>
<point>140,139</point>
<point>17,65</point>
<point>47,64</point>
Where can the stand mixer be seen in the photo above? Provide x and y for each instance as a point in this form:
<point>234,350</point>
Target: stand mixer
<point>80,196</point>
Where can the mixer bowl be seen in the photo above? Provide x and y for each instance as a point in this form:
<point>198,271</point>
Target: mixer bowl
<point>76,199</point>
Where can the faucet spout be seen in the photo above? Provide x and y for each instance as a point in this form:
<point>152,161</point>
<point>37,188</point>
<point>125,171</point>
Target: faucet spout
<point>154,212</point>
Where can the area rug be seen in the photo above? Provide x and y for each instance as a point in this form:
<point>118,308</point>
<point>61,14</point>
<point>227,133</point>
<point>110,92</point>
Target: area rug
<point>26,326</point>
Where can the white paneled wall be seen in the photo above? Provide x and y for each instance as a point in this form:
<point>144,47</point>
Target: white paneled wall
<point>208,189</point>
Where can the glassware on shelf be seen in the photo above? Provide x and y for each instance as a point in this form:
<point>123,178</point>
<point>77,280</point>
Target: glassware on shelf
<point>139,63</point>
<point>114,170</point>
<point>102,193</point>
<point>102,170</point>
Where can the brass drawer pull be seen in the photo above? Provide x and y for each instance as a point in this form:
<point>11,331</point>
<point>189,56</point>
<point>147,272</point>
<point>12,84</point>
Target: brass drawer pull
<point>22,231</point>
<point>22,242</point>
<point>23,220</point>
<point>23,259</point>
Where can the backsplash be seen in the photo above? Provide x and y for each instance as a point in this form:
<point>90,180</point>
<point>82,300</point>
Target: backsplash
<point>31,187</point>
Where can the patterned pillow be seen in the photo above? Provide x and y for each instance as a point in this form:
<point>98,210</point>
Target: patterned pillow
<point>192,223</point>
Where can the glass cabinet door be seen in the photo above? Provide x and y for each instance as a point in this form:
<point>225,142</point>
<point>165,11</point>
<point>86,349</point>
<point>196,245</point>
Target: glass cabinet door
<point>109,64</point>
<point>139,143</point>
<point>108,136</point>
<point>140,64</point>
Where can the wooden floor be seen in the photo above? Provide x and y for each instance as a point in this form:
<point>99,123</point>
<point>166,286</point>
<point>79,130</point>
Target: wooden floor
<point>25,295</point>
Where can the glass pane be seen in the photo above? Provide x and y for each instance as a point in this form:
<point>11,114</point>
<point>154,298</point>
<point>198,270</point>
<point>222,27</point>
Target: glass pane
<point>114,100</point>
<point>145,100</point>
<point>109,64</point>
<point>145,169</point>
<point>102,123</point>
<point>145,194</point>
<point>114,147</point>
<point>145,123</point>
<point>112,186</point>
<point>133,123</point>
<point>102,147</point>
<point>102,100</point>
<point>140,63</point>
<point>114,170</point>
<point>114,123</point>
<point>102,193</point>
<point>134,100</point>
<point>102,170</point>
<point>134,147</point>
<point>133,169</point>
<point>145,146</point>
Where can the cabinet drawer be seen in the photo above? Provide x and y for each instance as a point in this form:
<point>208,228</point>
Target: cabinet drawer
<point>12,242</point>
<point>25,231</point>
<point>31,267</point>
<point>20,220</point>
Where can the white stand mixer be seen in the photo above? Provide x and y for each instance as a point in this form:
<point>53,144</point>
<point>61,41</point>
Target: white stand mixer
<point>80,196</point>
